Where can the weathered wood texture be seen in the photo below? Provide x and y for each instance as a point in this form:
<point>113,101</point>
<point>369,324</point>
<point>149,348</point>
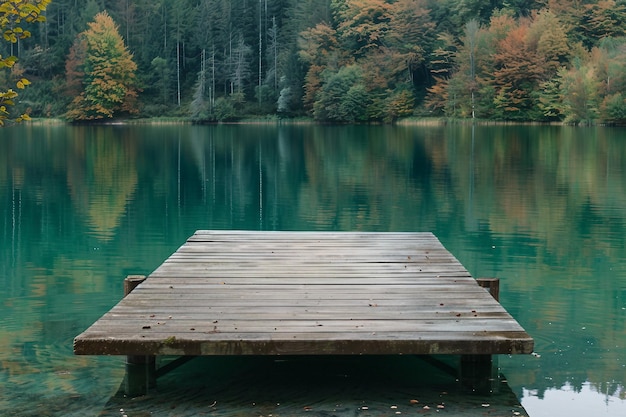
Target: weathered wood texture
<point>309,293</point>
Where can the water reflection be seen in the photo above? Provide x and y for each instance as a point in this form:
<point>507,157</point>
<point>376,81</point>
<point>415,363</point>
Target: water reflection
<point>568,401</point>
<point>543,208</point>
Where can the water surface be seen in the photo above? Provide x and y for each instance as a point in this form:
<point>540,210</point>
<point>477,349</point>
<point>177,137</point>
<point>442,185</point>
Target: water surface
<point>542,208</point>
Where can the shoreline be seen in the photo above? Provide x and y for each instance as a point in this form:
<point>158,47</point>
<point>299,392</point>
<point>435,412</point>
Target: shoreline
<point>406,122</point>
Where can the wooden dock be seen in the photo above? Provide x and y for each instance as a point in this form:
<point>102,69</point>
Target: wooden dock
<point>307,293</point>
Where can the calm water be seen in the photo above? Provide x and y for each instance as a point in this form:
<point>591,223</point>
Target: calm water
<point>543,208</point>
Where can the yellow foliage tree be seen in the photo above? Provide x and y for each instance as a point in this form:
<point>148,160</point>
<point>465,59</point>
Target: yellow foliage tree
<point>13,13</point>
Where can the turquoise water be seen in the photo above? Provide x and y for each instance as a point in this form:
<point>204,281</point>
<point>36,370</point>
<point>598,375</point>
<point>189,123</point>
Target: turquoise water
<point>542,208</point>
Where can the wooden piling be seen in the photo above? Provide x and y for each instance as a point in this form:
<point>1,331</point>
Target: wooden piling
<point>140,369</point>
<point>479,372</point>
<point>131,282</point>
<point>492,285</point>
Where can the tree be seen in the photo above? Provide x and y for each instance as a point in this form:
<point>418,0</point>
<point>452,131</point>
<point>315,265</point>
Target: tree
<point>411,35</point>
<point>362,25</point>
<point>547,35</point>
<point>108,72</point>
<point>580,88</point>
<point>199,106</point>
<point>240,66</point>
<point>161,79</point>
<point>518,71</point>
<point>318,48</point>
<point>602,19</point>
<point>550,100</point>
<point>613,109</point>
<point>12,14</point>
<point>342,97</point>
<point>471,31</point>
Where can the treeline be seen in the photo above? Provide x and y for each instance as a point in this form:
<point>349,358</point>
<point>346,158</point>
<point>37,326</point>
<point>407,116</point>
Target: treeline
<point>335,60</point>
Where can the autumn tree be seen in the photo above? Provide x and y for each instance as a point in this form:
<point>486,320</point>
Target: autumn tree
<point>362,25</point>
<point>579,88</point>
<point>13,13</point>
<point>608,59</point>
<point>106,71</point>
<point>518,71</point>
<point>547,35</point>
<point>318,49</point>
<point>602,19</point>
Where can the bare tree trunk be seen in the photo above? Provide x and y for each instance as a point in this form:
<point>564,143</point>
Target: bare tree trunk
<point>273,39</point>
<point>212,95</point>
<point>178,71</point>
<point>260,49</point>
<point>471,30</point>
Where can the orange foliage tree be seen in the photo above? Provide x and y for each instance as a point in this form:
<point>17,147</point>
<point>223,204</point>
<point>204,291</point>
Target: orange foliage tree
<point>102,69</point>
<point>518,71</point>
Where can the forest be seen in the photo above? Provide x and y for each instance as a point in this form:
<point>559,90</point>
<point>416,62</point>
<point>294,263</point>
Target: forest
<point>335,61</point>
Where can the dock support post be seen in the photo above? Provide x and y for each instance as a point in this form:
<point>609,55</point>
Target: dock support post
<point>140,369</point>
<point>492,285</point>
<point>480,372</point>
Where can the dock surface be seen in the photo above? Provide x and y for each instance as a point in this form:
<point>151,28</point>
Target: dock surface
<point>307,293</point>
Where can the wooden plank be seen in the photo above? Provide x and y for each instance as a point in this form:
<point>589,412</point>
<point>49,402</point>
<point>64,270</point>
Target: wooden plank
<point>238,292</point>
<point>307,344</point>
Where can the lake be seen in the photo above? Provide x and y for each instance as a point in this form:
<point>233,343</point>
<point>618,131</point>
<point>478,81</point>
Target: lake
<point>542,208</point>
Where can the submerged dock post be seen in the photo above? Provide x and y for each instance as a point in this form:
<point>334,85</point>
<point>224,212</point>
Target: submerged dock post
<point>140,369</point>
<point>480,372</point>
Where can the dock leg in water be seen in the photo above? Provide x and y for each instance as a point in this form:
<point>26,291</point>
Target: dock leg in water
<point>480,372</point>
<point>140,369</point>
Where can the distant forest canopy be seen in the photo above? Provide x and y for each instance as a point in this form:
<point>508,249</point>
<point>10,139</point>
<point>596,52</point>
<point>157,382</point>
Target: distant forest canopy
<point>342,61</point>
